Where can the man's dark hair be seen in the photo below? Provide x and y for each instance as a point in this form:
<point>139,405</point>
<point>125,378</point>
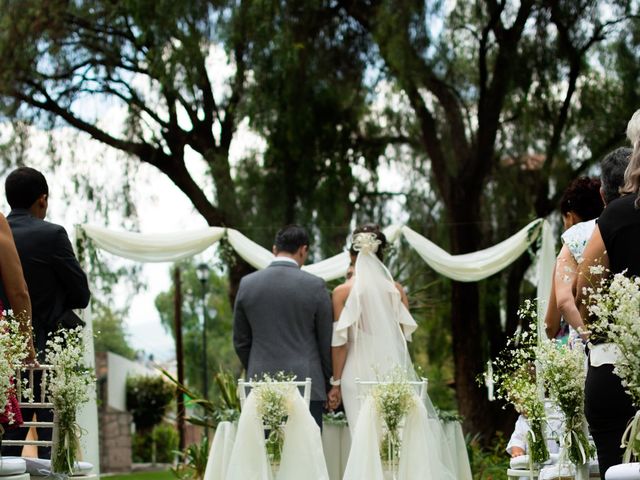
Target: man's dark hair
<point>290,238</point>
<point>24,186</point>
<point>612,176</point>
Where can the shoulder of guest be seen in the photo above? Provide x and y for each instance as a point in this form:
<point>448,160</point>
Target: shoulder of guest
<point>620,206</point>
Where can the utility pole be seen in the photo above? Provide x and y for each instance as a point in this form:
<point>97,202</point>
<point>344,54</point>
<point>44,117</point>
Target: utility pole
<point>177,316</point>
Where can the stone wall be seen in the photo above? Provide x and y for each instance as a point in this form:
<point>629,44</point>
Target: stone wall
<point>115,426</point>
<point>115,440</point>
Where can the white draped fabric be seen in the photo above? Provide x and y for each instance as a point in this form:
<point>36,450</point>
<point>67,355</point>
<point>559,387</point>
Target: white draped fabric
<point>302,454</point>
<point>165,247</point>
<point>469,267</point>
<point>220,452</point>
<point>472,267</point>
<point>423,451</point>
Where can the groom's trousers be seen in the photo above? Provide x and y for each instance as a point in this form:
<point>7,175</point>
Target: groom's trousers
<point>317,409</point>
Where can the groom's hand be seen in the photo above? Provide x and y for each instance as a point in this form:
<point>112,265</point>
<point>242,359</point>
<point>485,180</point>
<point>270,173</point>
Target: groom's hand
<point>334,398</point>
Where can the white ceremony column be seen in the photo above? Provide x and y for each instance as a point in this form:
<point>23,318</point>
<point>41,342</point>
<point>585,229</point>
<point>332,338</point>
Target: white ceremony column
<point>546,263</point>
<point>88,413</point>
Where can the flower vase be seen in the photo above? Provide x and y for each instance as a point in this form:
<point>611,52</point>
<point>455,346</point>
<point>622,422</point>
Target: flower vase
<point>65,445</point>
<point>390,460</point>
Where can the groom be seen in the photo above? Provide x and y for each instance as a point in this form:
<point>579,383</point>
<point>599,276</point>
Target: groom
<point>283,319</point>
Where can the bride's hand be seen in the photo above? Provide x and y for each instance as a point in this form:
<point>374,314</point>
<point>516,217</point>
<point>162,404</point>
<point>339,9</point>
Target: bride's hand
<point>334,398</point>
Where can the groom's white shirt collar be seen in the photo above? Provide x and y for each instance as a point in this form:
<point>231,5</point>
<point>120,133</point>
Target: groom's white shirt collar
<point>285,259</point>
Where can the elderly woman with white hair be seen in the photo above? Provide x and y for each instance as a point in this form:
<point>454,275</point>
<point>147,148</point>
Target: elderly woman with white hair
<point>614,245</point>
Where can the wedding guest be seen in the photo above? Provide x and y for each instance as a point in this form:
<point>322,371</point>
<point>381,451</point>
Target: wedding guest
<point>14,293</point>
<point>517,445</point>
<point>614,245</point>
<point>56,282</point>
<point>575,238</point>
<point>580,205</point>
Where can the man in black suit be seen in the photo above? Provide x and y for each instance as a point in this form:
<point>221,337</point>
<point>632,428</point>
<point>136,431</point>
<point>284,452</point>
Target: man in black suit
<point>54,277</point>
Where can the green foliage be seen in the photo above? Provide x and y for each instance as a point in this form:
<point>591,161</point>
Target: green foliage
<point>220,352</point>
<point>488,462</point>
<point>157,446</point>
<point>148,398</point>
<point>309,100</point>
<point>193,461</point>
<point>109,331</point>
<point>166,440</point>
<point>224,407</point>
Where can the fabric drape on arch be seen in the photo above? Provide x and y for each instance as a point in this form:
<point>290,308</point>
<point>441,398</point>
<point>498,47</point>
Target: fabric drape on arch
<point>469,267</point>
<point>171,247</point>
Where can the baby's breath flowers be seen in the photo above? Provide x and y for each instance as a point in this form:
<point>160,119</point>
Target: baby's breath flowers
<point>272,406</point>
<point>514,375</point>
<point>14,343</point>
<point>393,398</point>
<point>68,384</point>
<point>563,374</point>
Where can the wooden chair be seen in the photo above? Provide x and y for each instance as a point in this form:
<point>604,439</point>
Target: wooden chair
<point>41,403</point>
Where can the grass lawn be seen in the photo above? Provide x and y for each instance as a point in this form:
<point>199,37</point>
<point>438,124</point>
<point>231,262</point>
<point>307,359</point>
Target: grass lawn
<point>166,475</point>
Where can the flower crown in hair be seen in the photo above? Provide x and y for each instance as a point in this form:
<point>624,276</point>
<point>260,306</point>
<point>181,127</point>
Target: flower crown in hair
<point>366,242</point>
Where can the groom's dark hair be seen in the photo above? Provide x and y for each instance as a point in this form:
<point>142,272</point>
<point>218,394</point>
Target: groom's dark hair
<point>290,238</point>
<point>24,186</point>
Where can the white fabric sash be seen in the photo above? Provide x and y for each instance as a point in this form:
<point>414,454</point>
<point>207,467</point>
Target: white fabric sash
<point>164,247</point>
<point>469,267</point>
<point>170,247</point>
<point>472,267</point>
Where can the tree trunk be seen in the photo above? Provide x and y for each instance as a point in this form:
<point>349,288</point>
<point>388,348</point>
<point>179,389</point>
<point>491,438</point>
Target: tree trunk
<point>480,415</point>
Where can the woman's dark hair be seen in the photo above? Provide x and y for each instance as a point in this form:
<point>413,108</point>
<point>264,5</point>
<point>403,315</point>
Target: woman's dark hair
<point>582,197</point>
<point>290,238</point>
<point>370,228</point>
<point>24,186</point>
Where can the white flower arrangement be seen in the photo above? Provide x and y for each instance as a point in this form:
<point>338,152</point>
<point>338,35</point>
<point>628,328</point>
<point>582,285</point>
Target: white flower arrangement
<point>273,407</point>
<point>616,304</point>
<point>563,374</point>
<point>14,343</point>
<point>514,375</point>
<point>394,397</point>
<point>68,384</point>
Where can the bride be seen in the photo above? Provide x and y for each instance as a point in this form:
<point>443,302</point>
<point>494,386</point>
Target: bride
<point>372,325</point>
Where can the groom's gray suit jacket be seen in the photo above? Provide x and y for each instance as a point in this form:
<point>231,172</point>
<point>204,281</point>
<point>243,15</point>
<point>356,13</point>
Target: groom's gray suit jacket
<point>283,321</point>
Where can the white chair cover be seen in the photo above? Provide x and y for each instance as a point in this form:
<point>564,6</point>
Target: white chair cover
<point>364,457</point>
<point>626,471</point>
<point>220,452</point>
<point>424,452</point>
<point>302,454</point>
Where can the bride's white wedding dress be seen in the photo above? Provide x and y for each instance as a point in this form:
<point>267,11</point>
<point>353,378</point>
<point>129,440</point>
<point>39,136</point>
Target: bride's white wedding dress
<point>376,325</point>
